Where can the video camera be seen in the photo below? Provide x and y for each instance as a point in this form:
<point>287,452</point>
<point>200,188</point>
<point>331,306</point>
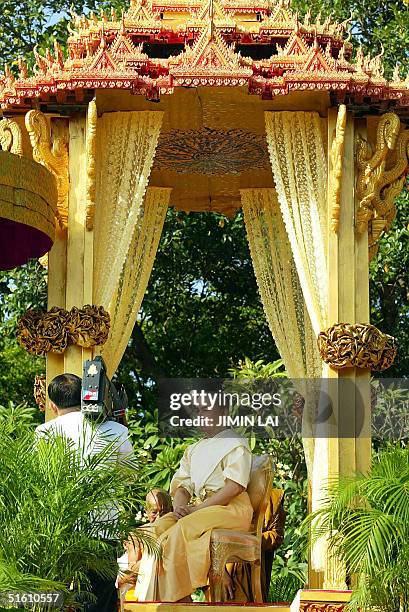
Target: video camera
<point>100,399</point>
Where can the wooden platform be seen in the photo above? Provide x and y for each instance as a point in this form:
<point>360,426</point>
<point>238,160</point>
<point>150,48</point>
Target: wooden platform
<point>173,607</point>
<point>307,600</point>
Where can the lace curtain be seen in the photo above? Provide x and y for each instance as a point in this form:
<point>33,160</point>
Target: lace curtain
<point>278,283</point>
<point>135,274</point>
<point>282,297</point>
<point>298,160</point>
<point>127,224</point>
<point>297,147</point>
<point>126,144</point>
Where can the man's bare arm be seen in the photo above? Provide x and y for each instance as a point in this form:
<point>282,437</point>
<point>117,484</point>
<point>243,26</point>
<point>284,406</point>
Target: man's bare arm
<point>180,502</point>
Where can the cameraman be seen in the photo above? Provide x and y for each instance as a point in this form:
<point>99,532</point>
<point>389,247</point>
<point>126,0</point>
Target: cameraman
<point>64,393</point>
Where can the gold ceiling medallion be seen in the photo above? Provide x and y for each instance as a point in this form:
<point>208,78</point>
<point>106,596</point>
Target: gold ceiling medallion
<point>212,152</point>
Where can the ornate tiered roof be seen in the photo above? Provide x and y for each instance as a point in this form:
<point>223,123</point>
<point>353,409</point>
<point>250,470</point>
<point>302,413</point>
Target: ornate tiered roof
<point>158,45</point>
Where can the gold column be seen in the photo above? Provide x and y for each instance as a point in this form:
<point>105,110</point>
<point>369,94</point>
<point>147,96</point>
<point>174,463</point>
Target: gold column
<point>49,147</point>
<point>79,265</point>
<point>57,270</point>
<point>70,261</point>
<point>348,301</point>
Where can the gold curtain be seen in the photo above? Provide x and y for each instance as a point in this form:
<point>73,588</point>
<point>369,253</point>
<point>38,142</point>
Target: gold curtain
<point>135,274</point>
<point>126,144</point>
<point>297,147</point>
<point>128,220</point>
<point>282,297</point>
<point>278,283</point>
<point>297,152</point>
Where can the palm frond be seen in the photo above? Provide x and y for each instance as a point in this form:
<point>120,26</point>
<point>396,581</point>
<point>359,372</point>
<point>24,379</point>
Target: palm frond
<point>56,508</point>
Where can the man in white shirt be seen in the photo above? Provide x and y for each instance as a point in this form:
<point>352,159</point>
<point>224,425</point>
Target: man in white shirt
<point>64,393</point>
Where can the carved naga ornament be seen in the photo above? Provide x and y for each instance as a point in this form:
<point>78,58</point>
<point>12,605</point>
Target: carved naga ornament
<point>50,148</point>
<point>337,158</point>
<point>91,163</point>
<point>11,137</point>
<point>381,176</point>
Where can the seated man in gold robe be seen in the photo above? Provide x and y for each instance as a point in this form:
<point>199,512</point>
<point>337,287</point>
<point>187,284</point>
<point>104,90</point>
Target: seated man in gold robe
<point>216,471</point>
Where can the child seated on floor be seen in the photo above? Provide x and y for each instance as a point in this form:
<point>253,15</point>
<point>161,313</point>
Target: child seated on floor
<point>158,503</point>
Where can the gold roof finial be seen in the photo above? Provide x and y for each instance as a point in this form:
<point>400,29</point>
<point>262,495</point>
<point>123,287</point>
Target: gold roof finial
<point>396,74</point>
<point>211,11</point>
<point>123,28</point>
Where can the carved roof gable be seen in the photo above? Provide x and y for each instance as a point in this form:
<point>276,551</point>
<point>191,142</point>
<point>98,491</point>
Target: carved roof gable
<point>122,45</point>
<point>316,61</point>
<point>210,50</point>
<point>103,61</point>
<point>139,12</point>
<point>295,46</point>
<point>213,10</point>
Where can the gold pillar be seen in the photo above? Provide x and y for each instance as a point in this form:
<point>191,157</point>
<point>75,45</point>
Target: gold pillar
<point>348,301</point>
<point>70,266</point>
<point>74,295</point>
<point>57,273</point>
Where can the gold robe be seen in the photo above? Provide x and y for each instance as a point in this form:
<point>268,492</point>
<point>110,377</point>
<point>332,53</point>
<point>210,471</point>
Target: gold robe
<point>185,543</point>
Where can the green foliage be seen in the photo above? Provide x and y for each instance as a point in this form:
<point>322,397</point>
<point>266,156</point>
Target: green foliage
<point>390,404</point>
<point>367,521</point>
<point>27,23</point>
<point>287,577</point>
<point>161,471</point>
<point>17,372</point>
<point>375,25</point>
<point>157,457</point>
<point>390,286</point>
<point>209,316</point>
<point>248,369</point>
<point>51,505</point>
<point>20,290</point>
<point>16,419</point>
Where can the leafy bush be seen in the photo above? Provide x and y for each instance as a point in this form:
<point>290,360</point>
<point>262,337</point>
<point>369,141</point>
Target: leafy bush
<point>52,504</point>
<point>17,418</point>
<point>249,369</point>
<point>287,577</point>
<point>366,519</point>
